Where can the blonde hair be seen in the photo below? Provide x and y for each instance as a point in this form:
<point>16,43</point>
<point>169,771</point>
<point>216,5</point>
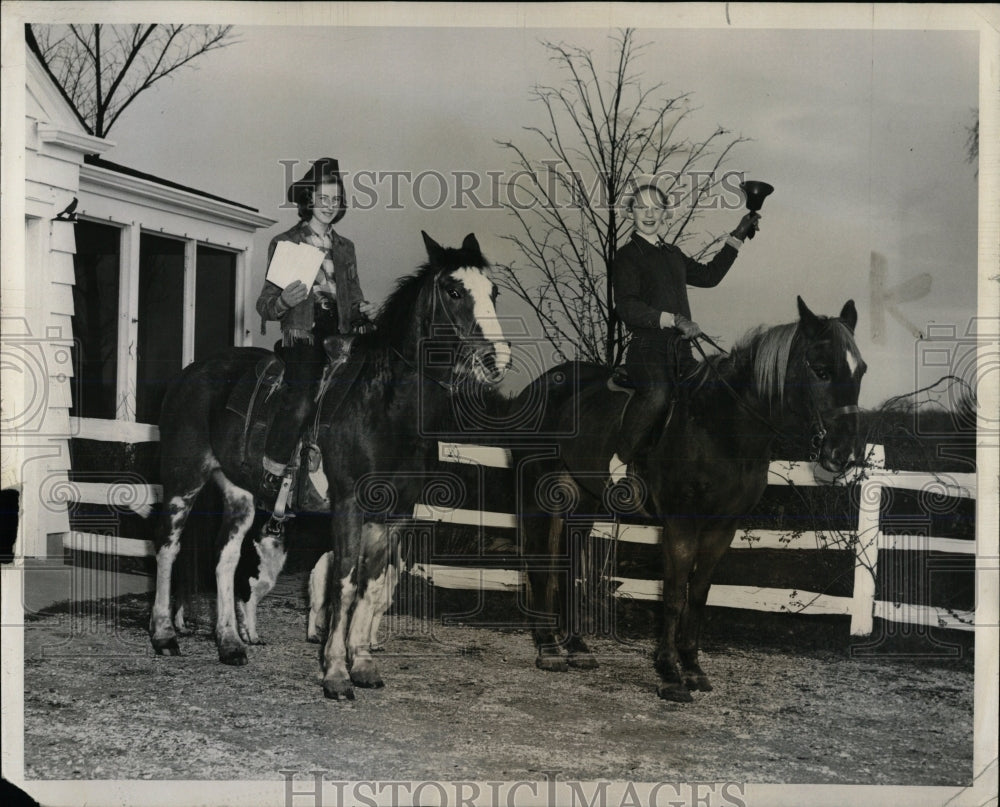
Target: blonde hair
<point>664,201</point>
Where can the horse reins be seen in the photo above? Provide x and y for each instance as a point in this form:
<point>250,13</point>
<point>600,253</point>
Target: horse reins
<point>450,386</point>
<point>819,433</point>
<point>735,395</point>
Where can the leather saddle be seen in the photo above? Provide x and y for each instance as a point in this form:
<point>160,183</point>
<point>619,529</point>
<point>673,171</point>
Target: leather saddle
<point>619,381</point>
<point>255,397</point>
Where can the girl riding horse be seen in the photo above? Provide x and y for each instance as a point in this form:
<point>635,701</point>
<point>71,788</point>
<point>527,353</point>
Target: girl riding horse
<point>436,347</point>
<point>650,280</point>
<point>334,304</point>
<point>705,472</point>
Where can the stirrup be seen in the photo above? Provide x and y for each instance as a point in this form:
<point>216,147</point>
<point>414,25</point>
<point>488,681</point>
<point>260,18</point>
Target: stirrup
<point>281,500</point>
<point>288,478</point>
<point>275,526</point>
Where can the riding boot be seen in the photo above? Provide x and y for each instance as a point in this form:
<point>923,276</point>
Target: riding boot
<point>272,478</point>
<point>304,363</point>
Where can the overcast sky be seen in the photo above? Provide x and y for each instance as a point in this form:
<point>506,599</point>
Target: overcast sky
<point>862,133</point>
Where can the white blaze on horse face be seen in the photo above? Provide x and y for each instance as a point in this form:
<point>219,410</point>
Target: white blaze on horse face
<point>481,289</point>
<point>852,363</point>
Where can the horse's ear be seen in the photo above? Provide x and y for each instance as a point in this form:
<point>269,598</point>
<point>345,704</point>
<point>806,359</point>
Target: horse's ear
<point>849,315</point>
<point>434,249</point>
<point>471,244</point>
<point>808,320</point>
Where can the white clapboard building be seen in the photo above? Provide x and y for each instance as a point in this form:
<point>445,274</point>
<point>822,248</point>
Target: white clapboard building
<point>138,277</point>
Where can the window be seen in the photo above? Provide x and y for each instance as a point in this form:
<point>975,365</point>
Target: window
<point>162,351</point>
<point>160,281</point>
<point>160,348</point>
<point>96,267</point>
<point>214,297</point>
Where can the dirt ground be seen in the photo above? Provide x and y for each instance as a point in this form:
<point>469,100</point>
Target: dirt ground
<point>462,702</point>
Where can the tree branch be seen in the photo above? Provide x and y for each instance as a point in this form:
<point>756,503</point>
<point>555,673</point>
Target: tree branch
<point>600,132</point>
<point>98,66</point>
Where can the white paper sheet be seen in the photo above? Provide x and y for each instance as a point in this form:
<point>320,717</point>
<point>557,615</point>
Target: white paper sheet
<point>292,262</point>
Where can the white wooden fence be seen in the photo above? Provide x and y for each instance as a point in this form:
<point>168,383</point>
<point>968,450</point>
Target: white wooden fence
<point>870,539</point>
<point>862,606</point>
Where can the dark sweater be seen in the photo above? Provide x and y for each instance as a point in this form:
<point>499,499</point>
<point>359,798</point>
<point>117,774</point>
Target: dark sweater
<point>650,279</point>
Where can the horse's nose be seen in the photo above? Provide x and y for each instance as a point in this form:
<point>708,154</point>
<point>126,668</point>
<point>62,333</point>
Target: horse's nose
<point>838,458</point>
<point>502,356</point>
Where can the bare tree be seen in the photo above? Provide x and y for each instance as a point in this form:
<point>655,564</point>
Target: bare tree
<point>972,141</point>
<point>600,133</point>
<point>104,68</point>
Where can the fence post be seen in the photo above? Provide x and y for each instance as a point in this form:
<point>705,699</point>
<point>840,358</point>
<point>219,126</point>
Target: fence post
<point>866,558</point>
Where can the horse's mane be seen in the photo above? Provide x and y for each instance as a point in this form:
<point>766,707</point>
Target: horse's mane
<point>394,318</point>
<point>771,349</point>
<point>763,354</point>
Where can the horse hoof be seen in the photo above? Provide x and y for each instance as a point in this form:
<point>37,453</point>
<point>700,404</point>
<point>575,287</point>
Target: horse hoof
<point>234,656</point>
<point>367,678</point>
<point>697,683</point>
<point>583,661</point>
<point>166,647</point>
<point>551,663</point>
<point>315,632</point>
<point>674,692</point>
<point>335,690</point>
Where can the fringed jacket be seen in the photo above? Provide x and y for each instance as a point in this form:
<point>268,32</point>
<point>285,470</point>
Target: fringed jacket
<point>298,321</point>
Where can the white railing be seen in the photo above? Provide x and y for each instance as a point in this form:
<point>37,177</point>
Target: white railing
<point>870,539</point>
<point>861,606</point>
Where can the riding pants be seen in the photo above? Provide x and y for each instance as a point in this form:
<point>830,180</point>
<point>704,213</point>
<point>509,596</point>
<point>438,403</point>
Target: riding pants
<point>304,363</point>
<point>655,363</point>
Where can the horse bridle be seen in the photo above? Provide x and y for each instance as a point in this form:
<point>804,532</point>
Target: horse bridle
<point>464,337</point>
<point>819,431</point>
<point>819,427</point>
<point>450,386</point>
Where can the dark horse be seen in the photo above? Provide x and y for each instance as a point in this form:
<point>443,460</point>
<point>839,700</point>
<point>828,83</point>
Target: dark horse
<point>435,336</point>
<point>707,469</point>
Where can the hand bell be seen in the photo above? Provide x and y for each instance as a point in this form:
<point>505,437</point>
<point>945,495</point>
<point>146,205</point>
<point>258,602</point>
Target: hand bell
<point>755,193</point>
